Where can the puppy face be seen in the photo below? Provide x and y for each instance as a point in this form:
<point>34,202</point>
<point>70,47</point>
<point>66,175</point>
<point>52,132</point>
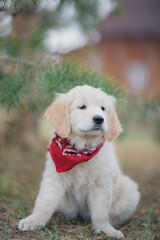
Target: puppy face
<point>89,112</point>
<point>85,111</point>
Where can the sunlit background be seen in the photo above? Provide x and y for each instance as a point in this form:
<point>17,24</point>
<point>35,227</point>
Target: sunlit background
<point>120,39</point>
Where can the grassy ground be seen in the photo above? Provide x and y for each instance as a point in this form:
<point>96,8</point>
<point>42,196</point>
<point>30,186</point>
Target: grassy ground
<point>20,173</point>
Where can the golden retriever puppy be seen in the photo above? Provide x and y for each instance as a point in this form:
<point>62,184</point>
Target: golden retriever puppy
<point>82,175</point>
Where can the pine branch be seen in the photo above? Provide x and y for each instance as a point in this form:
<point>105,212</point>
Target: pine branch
<point>35,87</point>
<point>15,88</point>
<point>67,74</point>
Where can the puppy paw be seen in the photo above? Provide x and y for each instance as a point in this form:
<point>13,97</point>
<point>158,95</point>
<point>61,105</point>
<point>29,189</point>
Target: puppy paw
<point>29,223</point>
<point>111,232</point>
<point>115,234</point>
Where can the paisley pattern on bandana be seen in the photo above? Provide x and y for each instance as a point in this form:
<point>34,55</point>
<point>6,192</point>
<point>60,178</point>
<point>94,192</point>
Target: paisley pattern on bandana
<point>66,156</point>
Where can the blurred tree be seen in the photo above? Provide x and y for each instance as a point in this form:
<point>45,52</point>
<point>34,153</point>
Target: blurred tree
<point>22,49</point>
<point>28,81</point>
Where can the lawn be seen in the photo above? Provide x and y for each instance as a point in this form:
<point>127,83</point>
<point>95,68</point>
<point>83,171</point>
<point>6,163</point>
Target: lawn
<point>21,166</point>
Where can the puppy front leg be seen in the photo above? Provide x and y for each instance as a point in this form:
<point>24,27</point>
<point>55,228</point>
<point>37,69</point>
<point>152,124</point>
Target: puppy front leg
<point>47,202</point>
<point>99,204</point>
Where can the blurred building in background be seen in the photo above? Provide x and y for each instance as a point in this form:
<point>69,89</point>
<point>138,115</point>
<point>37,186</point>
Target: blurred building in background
<point>125,47</point>
<point>129,50</point>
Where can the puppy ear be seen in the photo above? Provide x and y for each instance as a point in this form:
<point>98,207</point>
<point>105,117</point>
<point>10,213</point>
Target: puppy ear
<point>113,123</point>
<point>58,116</point>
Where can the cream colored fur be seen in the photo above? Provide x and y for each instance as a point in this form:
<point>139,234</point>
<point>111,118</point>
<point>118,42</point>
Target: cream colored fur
<point>96,189</point>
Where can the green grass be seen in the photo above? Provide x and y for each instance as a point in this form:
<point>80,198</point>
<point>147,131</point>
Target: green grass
<point>21,167</point>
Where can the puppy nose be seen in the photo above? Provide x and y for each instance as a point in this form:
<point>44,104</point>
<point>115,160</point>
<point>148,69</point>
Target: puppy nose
<point>98,119</point>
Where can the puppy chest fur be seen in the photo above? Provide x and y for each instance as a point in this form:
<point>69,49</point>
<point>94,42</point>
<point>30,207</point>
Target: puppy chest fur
<point>86,176</point>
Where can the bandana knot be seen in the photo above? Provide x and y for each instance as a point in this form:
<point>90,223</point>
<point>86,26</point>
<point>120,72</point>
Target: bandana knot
<point>66,156</point>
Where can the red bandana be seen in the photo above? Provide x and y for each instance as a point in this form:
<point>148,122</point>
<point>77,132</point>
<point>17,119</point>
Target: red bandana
<point>66,156</point>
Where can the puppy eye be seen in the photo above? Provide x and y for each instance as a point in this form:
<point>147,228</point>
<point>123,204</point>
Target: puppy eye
<point>103,108</point>
<point>83,107</point>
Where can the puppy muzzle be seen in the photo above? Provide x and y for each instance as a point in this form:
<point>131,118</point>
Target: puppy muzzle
<point>98,122</point>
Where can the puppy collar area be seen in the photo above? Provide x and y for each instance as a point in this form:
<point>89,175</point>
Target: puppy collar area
<point>66,156</point>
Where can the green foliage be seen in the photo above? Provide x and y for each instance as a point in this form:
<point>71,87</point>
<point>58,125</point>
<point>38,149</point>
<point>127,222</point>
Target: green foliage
<point>23,47</point>
<point>20,5</point>
<point>29,35</point>
<point>12,89</point>
<point>87,13</point>
<point>147,224</point>
<point>34,87</point>
<point>68,74</point>
<point>15,88</point>
<point>25,84</point>
<point>11,47</point>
